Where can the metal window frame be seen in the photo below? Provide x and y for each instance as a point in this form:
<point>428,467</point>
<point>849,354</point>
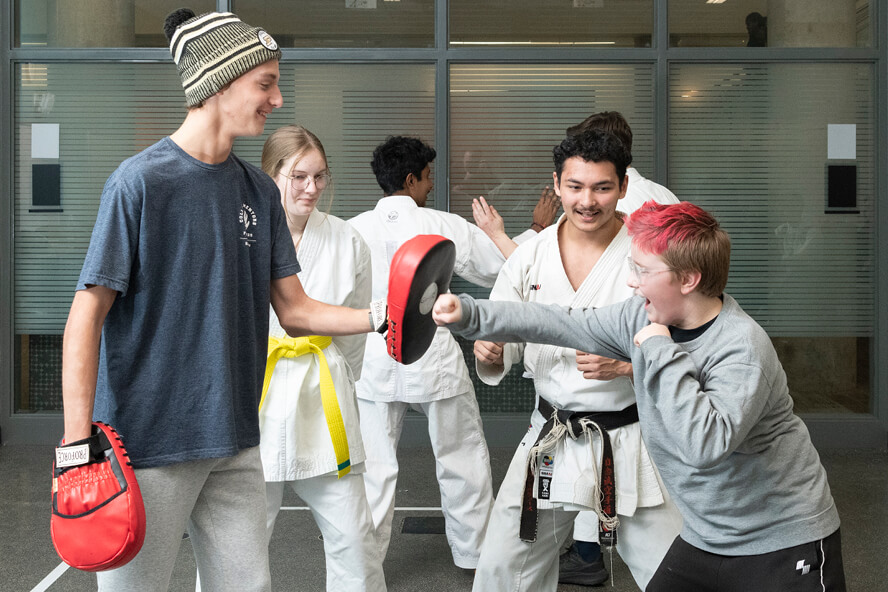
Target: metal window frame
<point>840,430</point>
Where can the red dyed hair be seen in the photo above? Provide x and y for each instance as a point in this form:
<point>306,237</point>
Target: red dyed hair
<point>687,238</point>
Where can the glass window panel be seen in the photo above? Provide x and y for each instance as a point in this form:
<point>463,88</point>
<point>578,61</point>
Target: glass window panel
<point>97,23</point>
<point>769,23</point>
<point>104,113</point>
<point>108,112</point>
<point>628,23</point>
<point>352,108</point>
<point>505,120</point>
<point>749,143</point>
<point>343,23</point>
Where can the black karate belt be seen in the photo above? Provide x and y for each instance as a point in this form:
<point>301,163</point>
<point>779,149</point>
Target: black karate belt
<point>574,420</point>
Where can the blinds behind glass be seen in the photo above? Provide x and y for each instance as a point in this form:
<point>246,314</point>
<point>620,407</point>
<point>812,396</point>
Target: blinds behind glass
<point>505,120</point>
<point>749,143</point>
<point>121,110</point>
<point>127,107</point>
<point>352,108</point>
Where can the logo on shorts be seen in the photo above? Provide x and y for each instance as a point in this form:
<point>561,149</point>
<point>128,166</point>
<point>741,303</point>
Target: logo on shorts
<point>535,287</point>
<point>267,40</point>
<point>802,567</point>
<point>247,219</point>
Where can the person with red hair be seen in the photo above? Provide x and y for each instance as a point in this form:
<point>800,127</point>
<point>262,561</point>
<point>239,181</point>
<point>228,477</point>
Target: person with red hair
<point>714,406</point>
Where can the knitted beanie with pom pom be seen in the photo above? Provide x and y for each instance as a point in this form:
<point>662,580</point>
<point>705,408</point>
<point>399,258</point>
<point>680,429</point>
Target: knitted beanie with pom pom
<point>213,49</point>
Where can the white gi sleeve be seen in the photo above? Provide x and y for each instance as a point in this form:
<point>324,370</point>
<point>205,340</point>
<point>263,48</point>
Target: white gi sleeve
<point>508,287</point>
<point>524,236</point>
<point>352,346</point>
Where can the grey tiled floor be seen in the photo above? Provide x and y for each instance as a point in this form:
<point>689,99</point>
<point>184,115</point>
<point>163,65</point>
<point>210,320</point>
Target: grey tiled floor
<point>859,480</point>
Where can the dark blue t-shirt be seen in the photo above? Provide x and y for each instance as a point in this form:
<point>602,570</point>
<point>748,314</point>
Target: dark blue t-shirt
<point>191,248</point>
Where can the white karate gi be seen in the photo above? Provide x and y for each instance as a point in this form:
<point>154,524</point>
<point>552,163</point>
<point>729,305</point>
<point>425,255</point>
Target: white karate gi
<point>639,191</point>
<point>296,446</point>
<point>648,520</point>
<point>437,384</point>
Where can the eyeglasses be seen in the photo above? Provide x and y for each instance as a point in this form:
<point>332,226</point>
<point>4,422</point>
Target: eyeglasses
<point>642,273</point>
<point>300,181</point>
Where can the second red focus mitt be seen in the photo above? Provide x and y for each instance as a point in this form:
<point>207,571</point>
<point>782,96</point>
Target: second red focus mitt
<point>98,518</point>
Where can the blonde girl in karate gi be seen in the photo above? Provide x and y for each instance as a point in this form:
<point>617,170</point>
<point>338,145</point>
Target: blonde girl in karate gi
<point>310,432</point>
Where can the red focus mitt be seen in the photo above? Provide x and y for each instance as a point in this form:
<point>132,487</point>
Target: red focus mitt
<point>98,519</point>
<point>420,270</point>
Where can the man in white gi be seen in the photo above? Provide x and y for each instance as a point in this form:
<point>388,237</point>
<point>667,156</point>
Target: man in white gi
<point>438,384</point>
<point>582,563</point>
<point>565,465</point>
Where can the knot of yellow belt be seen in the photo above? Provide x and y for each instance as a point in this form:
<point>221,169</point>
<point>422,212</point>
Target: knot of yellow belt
<point>293,347</point>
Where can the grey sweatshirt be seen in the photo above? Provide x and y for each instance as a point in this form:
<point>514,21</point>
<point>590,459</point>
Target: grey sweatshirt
<point>715,414</point>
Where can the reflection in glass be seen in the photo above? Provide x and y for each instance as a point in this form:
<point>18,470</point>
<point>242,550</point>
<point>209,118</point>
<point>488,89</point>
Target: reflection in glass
<point>105,113</point>
<point>354,107</point>
<point>506,118</point>
<point>97,23</point>
<point>520,23</point>
<point>749,143</point>
<point>769,23</point>
<point>343,23</point>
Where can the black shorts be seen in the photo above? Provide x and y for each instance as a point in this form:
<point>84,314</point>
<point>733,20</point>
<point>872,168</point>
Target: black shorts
<point>815,566</point>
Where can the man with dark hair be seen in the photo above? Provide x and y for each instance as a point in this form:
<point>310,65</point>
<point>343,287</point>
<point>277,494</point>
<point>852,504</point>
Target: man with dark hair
<point>438,384</point>
<point>579,262</point>
<point>581,563</point>
<point>608,121</point>
<point>394,161</point>
<point>640,189</point>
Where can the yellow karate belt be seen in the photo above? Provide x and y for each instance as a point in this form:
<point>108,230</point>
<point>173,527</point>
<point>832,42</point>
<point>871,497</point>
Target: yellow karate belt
<point>293,347</point>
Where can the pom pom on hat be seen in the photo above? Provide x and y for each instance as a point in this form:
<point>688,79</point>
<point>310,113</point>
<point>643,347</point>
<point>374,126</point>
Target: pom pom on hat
<point>174,19</point>
<point>213,49</point>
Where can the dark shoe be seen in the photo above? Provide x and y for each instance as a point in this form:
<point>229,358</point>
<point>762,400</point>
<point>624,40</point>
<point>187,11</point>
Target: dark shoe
<point>573,569</point>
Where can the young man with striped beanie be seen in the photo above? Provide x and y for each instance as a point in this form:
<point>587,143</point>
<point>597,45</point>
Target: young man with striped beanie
<point>167,335</point>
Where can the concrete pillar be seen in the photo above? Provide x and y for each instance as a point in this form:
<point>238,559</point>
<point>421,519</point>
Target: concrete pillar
<point>812,23</point>
<point>91,23</point>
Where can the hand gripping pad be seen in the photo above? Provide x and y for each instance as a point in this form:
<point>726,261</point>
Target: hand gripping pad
<point>98,519</point>
<point>420,270</point>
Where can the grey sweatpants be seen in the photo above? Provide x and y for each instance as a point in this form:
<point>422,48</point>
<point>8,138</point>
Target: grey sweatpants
<point>221,503</point>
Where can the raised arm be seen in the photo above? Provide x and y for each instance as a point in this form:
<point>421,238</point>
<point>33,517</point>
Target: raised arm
<point>489,220</point>
<point>80,358</point>
<point>545,209</point>
<point>478,259</point>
